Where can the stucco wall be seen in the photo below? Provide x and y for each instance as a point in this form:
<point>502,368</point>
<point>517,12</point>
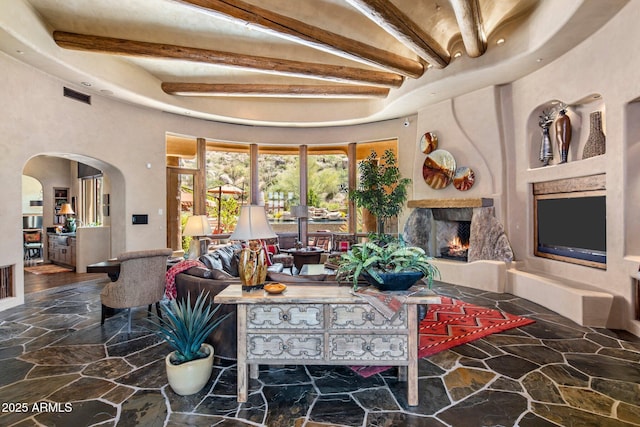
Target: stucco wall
<point>606,64</point>
<point>121,139</point>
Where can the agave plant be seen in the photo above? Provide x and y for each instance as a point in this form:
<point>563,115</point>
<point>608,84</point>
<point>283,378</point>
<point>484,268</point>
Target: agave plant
<point>185,328</point>
<point>384,256</point>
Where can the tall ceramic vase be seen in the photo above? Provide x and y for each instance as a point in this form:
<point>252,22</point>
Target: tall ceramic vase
<point>563,134</point>
<point>595,145</point>
<point>252,265</point>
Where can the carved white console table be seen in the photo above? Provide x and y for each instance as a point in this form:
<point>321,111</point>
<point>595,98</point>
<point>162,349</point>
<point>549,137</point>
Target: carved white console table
<point>323,325</point>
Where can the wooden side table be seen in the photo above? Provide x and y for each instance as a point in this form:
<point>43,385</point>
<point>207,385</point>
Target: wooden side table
<point>323,325</point>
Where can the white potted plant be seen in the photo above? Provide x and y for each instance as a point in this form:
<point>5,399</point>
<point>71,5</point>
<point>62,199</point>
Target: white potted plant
<point>185,328</point>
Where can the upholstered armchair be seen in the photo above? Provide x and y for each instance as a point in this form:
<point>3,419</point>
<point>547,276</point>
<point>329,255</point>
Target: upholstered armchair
<point>32,241</point>
<point>273,251</point>
<point>141,281</point>
<point>342,242</point>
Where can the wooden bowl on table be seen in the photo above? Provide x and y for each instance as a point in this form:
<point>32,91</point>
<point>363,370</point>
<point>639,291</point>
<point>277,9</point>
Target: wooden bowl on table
<point>275,288</point>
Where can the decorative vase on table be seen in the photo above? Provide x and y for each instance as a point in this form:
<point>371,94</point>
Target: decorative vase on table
<point>596,142</point>
<point>563,133</point>
<point>546,152</point>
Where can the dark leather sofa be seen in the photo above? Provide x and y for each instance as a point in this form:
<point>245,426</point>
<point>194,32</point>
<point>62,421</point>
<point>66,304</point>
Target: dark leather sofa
<point>221,271</point>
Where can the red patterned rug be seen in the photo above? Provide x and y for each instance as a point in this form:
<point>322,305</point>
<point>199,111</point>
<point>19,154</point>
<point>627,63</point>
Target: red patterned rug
<point>452,323</point>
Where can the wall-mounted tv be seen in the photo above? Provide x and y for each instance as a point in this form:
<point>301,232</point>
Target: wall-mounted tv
<point>572,227</point>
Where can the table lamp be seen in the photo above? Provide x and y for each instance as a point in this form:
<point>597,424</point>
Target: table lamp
<point>252,226</point>
<point>197,226</point>
<point>69,223</point>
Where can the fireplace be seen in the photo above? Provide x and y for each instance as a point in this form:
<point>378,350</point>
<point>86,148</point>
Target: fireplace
<point>464,230</point>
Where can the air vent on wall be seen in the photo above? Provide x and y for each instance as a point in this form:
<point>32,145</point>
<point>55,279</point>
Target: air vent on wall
<point>70,93</point>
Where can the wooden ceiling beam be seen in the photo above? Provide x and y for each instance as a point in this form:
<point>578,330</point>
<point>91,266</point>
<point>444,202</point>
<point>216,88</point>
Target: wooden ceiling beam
<point>269,90</point>
<point>470,22</point>
<point>400,26</point>
<point>308,35</point>
<point>270,65</point>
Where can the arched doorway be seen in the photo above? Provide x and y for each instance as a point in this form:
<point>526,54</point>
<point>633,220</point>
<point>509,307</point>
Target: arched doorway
<point>95,191</point>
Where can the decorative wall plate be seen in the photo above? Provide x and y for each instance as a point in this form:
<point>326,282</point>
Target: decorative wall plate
<point>438,169</point>
<point>428,142</point>
<point>464,178</point>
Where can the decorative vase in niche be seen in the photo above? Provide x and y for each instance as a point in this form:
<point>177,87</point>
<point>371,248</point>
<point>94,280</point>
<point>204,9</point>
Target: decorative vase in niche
<point>595,145</point>
<point>546,152</point>
<point>563,133</point>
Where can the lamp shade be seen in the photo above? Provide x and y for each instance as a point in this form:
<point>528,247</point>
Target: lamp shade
<point>197,225</point>
<point>252,224</point>
<point>66,209</point>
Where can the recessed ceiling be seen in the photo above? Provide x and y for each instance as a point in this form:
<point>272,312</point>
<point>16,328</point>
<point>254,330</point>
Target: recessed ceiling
<point>293,63</point>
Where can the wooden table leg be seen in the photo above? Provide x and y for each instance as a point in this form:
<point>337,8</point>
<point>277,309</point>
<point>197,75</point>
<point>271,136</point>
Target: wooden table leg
<point>412,344</point>
<point>243,380</point>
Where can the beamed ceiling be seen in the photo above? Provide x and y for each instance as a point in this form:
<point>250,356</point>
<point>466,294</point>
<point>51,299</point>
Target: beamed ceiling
<point>293,62</point>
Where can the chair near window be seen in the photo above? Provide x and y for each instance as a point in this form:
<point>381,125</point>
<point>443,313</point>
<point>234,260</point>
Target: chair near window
<point>321,239</point>
<point>141,281</point>
<point>32,242</point>
<point>342,242</point>
<point>273,250</point>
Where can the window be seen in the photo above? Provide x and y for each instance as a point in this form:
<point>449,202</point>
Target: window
<point>90,201</point>
<point>228,184</point>
<point>279,178</point>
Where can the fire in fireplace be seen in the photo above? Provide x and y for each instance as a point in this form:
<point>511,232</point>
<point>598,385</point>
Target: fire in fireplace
<point>458,245</point>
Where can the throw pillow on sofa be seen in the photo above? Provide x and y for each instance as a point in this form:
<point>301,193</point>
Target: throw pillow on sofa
<point>225,258</point>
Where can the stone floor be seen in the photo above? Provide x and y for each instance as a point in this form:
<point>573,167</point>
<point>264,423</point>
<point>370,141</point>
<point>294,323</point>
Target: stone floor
<point>59,367</point>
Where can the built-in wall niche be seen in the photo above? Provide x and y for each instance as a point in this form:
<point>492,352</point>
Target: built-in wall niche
<point>578,112</point>
<point>570,220</point>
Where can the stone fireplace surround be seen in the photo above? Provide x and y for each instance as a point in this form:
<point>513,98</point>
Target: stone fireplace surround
<point>491,265</point>
<point>489,250</point>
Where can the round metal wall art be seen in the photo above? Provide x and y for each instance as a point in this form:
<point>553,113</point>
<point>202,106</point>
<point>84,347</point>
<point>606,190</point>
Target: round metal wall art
<point>428,142</point>
<point>438,169</point>
<point>464,178</point>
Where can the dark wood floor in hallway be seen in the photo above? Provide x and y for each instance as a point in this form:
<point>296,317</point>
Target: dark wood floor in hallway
<point>40,282</point>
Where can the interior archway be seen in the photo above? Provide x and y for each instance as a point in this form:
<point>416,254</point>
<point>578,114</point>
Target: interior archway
<point>60,170</point>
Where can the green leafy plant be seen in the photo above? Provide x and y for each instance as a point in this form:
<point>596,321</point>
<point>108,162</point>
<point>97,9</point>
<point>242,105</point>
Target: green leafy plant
<point>382,191</point>
<point>185,328</point>
<point>388,256</point>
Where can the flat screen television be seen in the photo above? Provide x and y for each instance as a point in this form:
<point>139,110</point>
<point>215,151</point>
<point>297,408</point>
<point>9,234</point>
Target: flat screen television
<point>572,227</point>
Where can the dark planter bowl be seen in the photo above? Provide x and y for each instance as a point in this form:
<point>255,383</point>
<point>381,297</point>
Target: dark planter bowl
<point>395,281</point>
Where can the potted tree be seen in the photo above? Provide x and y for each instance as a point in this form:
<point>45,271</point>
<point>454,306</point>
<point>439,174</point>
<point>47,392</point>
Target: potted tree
<point>387,263</point>
<point>185,328</point>
<point>382,191</point>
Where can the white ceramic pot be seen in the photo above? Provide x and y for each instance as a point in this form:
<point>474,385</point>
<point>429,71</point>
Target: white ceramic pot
<point>189,378</point>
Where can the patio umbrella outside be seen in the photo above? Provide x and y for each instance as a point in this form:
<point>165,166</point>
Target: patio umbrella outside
<point>224,189</point>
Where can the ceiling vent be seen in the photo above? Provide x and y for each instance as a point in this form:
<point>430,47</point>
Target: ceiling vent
<point>70,93</point>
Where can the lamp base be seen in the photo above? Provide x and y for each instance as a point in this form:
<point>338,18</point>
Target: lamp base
<point>252,266</point>
<point>250,288</point>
